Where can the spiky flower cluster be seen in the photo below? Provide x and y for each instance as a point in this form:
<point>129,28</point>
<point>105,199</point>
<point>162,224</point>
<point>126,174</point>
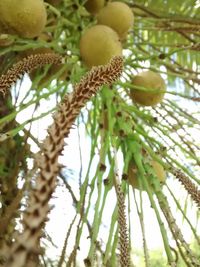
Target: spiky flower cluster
<point>123,231</point>
<point>35,215</point>
<point>25,66</point>
<point>191,188</point>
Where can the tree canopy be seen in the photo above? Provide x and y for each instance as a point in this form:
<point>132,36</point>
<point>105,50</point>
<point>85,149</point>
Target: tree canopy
<point>132,98</point>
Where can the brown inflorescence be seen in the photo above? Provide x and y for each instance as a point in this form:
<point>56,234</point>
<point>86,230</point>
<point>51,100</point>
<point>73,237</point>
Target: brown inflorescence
<point>123,230</point>
<point>34,218</point>
<point>190,187</point>
<point>26,65</point>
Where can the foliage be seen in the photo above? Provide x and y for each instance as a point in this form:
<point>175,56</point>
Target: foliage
<point>165,39</point>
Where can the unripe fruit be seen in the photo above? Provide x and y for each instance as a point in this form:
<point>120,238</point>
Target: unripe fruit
<point>118,16</point>
<point>98,45</point>
<point>159,171</point>
<point>93,6</point>
<point>26,18</point>
<point>149,80</point>
<point>133,172</point>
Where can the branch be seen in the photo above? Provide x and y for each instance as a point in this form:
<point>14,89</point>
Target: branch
<point>35,215</point>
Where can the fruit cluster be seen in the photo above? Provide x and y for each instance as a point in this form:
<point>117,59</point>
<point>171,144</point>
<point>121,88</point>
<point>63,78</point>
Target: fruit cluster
<point>98,43</point>
<point>101,42</point>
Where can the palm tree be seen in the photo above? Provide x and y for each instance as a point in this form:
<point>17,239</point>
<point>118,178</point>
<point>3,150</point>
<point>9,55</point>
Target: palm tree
<point>136,163</point>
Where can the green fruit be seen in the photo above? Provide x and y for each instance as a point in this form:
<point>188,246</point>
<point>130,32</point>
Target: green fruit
<point>159,171</point>
<point>148,80</point>
<point>133,172</point>
<point>98,45</point>
<point>93,6</point>
<point>26,18</point>
<point>118,16</point>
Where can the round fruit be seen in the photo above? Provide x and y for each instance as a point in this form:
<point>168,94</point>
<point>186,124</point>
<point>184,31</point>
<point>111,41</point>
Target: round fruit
<point>118,16</point>
<point>26,18</point>
<point>93,6</point>
<point>148,80</point>
<point>132,173</point>
<point>159,171</point>
<point>98,45</point>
